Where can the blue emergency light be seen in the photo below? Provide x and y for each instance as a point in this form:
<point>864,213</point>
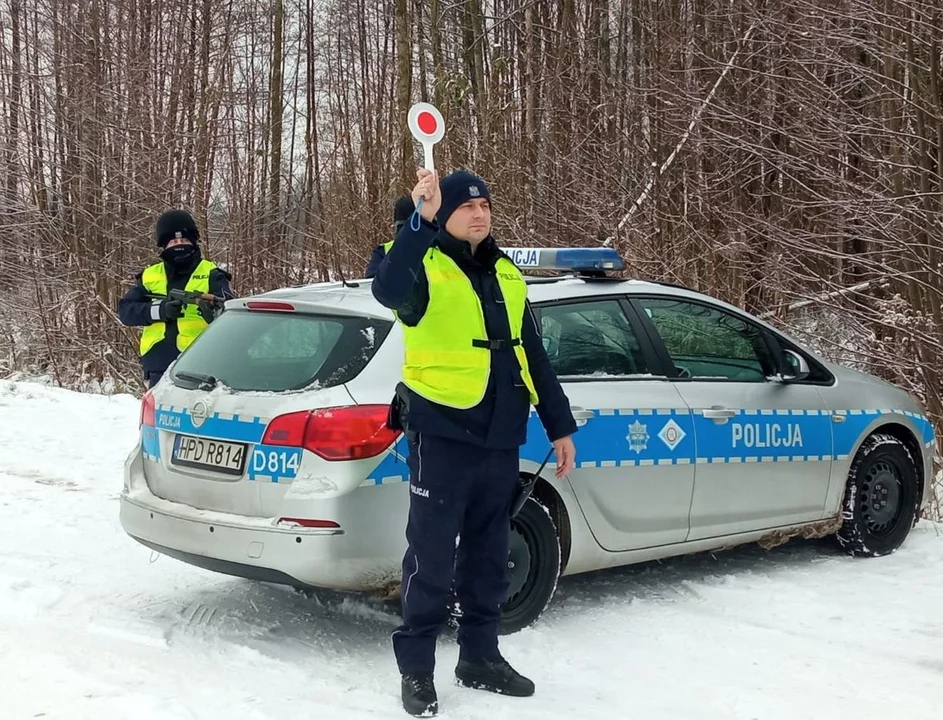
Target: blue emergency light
<point>573,259</point>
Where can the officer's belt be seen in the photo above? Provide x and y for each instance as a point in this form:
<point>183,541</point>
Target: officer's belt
<point>496,344</point>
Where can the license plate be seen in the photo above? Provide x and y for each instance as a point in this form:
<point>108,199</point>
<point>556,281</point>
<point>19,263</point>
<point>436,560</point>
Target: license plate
<point>218,455</point>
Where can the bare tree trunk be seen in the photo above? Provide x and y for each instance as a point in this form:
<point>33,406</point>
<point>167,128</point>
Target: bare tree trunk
<point>404,88</point>
<point>15,106</point>
<point>276,116</point>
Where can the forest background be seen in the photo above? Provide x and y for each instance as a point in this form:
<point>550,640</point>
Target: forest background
<point>784,156</point>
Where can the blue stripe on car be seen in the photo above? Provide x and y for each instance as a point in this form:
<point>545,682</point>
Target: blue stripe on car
<point>633,437</point>
<point>613,437</point>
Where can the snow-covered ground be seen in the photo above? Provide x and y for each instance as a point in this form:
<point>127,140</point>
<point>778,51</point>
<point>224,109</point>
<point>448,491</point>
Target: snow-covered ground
<point>93,626</point>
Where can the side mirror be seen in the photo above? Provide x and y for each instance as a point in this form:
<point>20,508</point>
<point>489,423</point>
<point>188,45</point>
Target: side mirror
<point>796,368</point>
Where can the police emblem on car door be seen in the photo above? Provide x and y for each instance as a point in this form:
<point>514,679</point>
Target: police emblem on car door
<point>638,436</point>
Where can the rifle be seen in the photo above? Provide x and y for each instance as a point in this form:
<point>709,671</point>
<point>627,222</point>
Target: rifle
<point>206,301</point>
<point>190,298</point>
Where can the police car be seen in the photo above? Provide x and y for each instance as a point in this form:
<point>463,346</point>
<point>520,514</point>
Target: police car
<point>264,451</point>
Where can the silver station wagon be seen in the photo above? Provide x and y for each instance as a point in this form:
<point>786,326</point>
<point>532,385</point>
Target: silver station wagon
<point>264,451</point>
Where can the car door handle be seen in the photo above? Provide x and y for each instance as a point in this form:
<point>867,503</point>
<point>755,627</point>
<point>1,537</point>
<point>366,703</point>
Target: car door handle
<point>582,415</point>
<point>718,414</point>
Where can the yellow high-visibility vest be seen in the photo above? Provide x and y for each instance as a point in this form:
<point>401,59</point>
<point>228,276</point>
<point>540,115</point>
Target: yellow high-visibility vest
<point>448,353</point>
<point>191,323</point>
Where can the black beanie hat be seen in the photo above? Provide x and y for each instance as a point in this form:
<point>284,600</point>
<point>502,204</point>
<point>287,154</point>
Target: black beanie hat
<point>402,209</point>
<point>175,223</point>
<point>458,188</point>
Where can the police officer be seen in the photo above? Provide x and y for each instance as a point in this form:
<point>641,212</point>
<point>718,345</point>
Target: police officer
<point>474,364</point>
<point>169,325</point>
<point>402,209</point>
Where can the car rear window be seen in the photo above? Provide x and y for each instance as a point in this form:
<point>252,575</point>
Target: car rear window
<point>279,352</point>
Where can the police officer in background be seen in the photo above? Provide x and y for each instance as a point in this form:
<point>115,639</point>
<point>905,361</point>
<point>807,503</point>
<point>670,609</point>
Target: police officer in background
<point>474,364</point>
<point>169,325</point>
<point>402,209</point>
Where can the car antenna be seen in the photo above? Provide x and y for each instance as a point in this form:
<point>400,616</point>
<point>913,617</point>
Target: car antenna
<point>341,273</point>
<point>344,281</point>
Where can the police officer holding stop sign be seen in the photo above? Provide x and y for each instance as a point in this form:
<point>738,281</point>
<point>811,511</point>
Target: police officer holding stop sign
<point>474,364</point>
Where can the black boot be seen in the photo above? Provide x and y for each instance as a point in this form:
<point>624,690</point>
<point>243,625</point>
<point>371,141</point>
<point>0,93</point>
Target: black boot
<point>419,698</point>
<point>497,677</point>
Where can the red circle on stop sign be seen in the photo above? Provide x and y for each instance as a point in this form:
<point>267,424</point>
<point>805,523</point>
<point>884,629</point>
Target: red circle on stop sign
<point>427,123</point>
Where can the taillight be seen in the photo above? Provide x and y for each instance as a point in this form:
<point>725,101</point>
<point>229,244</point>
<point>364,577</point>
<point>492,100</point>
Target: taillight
<point>148,410</point>
<point>270,305</point>
<point>344,433</point>
<point>288,430</point>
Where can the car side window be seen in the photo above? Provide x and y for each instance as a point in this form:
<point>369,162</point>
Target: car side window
<point>709,343</point>
<point>591,340</point>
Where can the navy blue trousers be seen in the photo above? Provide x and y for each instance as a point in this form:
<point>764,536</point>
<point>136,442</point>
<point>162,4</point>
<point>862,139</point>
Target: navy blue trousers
<point>455,489</point>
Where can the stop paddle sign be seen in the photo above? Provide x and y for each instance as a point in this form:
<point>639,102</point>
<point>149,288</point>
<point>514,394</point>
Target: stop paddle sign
<point>428,127</point>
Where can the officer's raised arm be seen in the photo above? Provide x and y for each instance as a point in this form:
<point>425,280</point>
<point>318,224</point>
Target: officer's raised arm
<point>399,275</point>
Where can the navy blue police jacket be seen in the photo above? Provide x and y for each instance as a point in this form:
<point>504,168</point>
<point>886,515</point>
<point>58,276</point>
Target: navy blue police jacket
<point>134,309</point>
<point>376,257</point>
<point>500,419</point>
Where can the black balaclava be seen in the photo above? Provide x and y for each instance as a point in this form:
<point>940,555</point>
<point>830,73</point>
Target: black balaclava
<point>177,224</point>
<point>180,257</point>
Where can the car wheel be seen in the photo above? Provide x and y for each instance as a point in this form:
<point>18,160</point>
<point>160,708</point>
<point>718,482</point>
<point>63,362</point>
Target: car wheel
<point>881,497</point>
<point>533,567</point>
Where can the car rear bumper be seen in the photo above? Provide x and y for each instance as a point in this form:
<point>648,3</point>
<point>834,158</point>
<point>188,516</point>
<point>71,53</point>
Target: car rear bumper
<point>342,559</point>
<point>225,567</point>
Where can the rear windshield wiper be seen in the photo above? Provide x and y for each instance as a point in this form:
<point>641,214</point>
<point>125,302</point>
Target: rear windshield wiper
<point>202,380</point>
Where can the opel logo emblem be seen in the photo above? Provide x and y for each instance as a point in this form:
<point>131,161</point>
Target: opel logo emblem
<point>199,413</point>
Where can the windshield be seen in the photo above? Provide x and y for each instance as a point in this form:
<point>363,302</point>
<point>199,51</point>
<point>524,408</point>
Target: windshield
<point>279,352</point>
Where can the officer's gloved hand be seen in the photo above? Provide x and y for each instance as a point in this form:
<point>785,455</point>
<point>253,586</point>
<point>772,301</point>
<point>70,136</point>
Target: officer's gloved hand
<point>170,309</point>
<point>207,310</point>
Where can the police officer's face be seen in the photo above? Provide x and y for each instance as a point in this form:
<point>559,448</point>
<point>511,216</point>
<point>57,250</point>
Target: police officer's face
<point>174,242</point>
<point>471,221</point>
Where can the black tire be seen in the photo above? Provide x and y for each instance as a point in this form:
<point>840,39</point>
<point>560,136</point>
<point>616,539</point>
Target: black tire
<point>534,567</point>
<point>881,497</point>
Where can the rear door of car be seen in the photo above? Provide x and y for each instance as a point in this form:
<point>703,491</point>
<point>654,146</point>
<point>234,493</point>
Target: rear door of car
<point>635,449</point>
<point>764,447</point>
